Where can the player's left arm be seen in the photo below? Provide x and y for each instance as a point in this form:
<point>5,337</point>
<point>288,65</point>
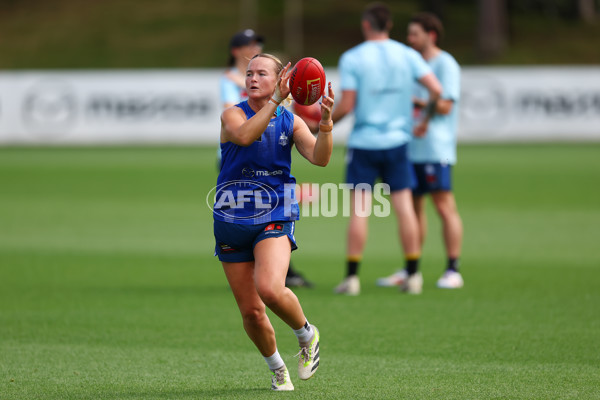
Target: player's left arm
<point>316,150</point>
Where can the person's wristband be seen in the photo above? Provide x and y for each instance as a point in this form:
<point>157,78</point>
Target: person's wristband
<point>276,98</point>
<point>273,101</point>
<point>326,128</point>
<point>430,109</point>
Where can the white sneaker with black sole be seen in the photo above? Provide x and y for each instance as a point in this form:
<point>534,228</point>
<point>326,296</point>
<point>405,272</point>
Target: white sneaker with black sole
<point>281,379</point>
<point>309,357</point>
<point>350,286</point>
<point>413,284</point>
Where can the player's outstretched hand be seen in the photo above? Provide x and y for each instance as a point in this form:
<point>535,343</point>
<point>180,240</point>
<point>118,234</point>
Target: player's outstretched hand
<point>282,88</point>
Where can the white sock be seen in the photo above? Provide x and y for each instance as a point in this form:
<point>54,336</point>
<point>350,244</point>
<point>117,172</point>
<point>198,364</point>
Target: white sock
<point>304,334</point>
<point>275,361</point>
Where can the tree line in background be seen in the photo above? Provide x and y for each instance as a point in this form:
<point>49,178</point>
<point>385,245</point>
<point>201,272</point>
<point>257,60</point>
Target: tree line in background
<point>75,34</point>
<point>493,19</point>
<point>494,16</point>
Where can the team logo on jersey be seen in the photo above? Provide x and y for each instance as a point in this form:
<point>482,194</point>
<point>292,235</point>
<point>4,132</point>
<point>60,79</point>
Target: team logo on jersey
<point>248,172</point>
<point>283,140</point>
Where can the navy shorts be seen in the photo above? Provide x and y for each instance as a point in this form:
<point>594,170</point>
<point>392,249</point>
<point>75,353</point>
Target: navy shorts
<point>235,242</point>
<point>392,166</point>
<point>432,177</point>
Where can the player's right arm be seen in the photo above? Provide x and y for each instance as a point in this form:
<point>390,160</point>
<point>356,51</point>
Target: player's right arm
<point>237,129</point>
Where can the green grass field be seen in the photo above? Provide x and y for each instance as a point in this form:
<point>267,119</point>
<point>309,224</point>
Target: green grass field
<point>109,290</point>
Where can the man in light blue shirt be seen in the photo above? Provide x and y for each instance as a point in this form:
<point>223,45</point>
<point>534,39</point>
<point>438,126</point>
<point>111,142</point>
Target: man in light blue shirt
<point>434,154</point>
<point>377,79</point>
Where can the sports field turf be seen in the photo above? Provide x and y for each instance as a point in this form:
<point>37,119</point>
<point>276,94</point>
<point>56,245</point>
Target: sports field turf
<point>109,290</point>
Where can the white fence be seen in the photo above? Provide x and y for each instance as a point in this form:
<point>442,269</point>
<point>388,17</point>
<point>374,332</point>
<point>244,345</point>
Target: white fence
<point>530,104</point>
<point>182,106</point>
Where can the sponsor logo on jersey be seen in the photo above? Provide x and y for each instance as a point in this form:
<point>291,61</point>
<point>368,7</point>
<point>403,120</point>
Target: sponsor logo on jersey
<point>250,173</point>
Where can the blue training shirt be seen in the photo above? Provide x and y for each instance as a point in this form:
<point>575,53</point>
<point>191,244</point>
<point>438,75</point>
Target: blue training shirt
<point>439,143</point>
<point>383,74</point>
<point>255,184</point>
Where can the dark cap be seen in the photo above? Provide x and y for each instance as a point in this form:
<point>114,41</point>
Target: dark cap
<point>244,38</point>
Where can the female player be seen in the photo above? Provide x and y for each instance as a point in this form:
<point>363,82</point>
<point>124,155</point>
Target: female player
<point>254,211</point>
<point>242,47</point>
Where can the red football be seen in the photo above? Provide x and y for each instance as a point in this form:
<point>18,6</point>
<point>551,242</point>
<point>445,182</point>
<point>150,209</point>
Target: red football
<point>307,81</point>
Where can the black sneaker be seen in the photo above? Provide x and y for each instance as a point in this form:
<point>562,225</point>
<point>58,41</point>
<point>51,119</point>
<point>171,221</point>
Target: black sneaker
<point>297,280</point>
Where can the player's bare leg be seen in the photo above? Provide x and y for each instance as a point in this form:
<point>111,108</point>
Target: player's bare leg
<point>399,277</point>
<point>358,227</point>
<point>452,231</point>
<point>358,231</point>
<point>408,227</point>
<point>272,258</point>
<point>419,206</point>
<point>452,227</point>
<point>254,317</point>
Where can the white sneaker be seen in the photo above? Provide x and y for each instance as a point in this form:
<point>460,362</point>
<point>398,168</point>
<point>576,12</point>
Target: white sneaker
<point>309,357</point>
<point>281,379</point>
<point>451,280</point>
<point>413,284</point>
<point>349,286</point>
<point>395,279</point>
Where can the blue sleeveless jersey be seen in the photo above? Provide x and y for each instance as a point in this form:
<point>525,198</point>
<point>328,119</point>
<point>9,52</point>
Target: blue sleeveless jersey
<point>255,184</point>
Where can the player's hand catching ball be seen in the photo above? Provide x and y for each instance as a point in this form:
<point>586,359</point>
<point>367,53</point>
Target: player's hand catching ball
<point>327,106</point>
<point>282,88</point>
